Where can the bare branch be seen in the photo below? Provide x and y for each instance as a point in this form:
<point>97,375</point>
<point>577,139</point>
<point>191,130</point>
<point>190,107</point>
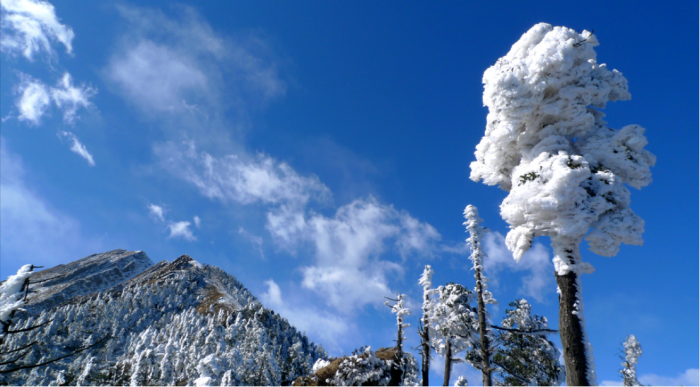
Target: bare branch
<point>17,358</point>
<point>53,360</point>
<point>18,349</point>
<point>30,328</point>
<point>527,382</point>
<point>522,331</point>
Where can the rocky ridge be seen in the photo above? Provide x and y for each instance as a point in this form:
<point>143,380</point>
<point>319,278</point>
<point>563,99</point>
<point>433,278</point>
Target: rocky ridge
<point>169,323</point>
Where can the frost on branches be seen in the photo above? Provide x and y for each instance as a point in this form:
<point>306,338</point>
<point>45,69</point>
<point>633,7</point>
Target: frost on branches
<point>426,281</point>
<point>633,351</point>
<point>565,171</point>
<point>12,296</point>
<point>547,144</point>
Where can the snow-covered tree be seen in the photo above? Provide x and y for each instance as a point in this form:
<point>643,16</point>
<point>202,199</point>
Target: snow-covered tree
<point>454,323</point>
<point>483,296</point>
<point>523,354</point>
<point>633,351</point>
<point>400,310</point>
<point>426,281</point>
<point>565,171</point>
<point>461,381</point>
<point>12,296</point>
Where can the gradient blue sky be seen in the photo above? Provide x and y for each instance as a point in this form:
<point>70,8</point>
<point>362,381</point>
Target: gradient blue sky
<point>325,149</point>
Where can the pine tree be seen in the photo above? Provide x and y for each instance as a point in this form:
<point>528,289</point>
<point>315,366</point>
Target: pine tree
<point>523,354</point>
<point>633,351</point>
<point>483,296</point>
<point>400,311</point>
<point>565,171</point>
<point>454,323</point>
<point>426,281</point>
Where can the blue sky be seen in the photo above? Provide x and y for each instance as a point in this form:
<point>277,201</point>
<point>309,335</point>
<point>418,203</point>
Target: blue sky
<point>324,150</point>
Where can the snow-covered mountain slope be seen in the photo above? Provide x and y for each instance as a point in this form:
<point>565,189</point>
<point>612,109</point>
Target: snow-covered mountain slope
<point>178,323</point>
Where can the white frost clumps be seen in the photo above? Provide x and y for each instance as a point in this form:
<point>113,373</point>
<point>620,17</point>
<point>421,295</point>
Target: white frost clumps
<point>633,351</point>
<point>547,144</point>
<point>11,295</point>
<point>461,381</point>
<point>476,232</point>
<point>320,363</point>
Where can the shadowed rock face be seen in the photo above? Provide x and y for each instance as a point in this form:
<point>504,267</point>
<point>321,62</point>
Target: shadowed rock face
<point>169,323</point>
<point>94,273</point>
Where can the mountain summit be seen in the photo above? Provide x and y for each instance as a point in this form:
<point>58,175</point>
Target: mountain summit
<point>169,323</point>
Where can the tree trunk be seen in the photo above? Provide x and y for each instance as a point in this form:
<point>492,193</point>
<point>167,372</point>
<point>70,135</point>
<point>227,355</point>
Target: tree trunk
<point>571,330</point>
<point>425,345</point>
<point>448,362</point>
<point>485,350</point>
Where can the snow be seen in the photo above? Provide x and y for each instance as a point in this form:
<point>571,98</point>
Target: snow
<point>320,363</point>
<point>11,293</point>
<point>633,351</point>
<point>546,143</point>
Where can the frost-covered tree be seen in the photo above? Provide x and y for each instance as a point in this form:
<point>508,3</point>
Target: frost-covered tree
<point>454,323</point>
<point>483,296</point>
<point>461,381</point>
<point>633,351</point>
<point>523,354</point>
<point>400,310</point>
<point>564,169</point>
<point>426,281</point>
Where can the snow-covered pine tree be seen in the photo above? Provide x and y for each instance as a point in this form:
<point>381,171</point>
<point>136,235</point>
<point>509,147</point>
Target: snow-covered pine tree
<point>565,171</point>
<point>455,324</point>
<point>400,310</point>
<point>523,354</point>
<point>483,296</point>
<point>426,281</point>
<point>633,351</point>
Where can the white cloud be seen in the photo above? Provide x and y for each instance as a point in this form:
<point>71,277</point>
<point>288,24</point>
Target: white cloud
<point>690,377</point>
<point>164,61</point>
<point>181,230</point>
<point>197,221</point>
<point>70,98</point>
<point>240,179</point>
<point>28,27</point>
<point>157,212</point>
<point>538,284</point>
<point>330,329</point>
<point>348,270</point>
<point>32,230</point>
<point>78,147</point>
<point>35,98</point>
<point>257,241</point>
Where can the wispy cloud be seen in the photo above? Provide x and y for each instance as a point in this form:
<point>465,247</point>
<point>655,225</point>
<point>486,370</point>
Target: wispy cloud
<point>691,377</point>
<point>170,63</point>
<point>330,329</point>
<point>538,284</point>
<point>241,179</point>
<point>33,231</point>
<point>33,101</point>
<point>348,270</point>
<point>70,98</point>
<point>181,230</point>
<point>34,98</point>
<point>257,241</point>
<point>28,27</point>
<point>78,147</point>
<point>156,212</point>
<point>197,221</point>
